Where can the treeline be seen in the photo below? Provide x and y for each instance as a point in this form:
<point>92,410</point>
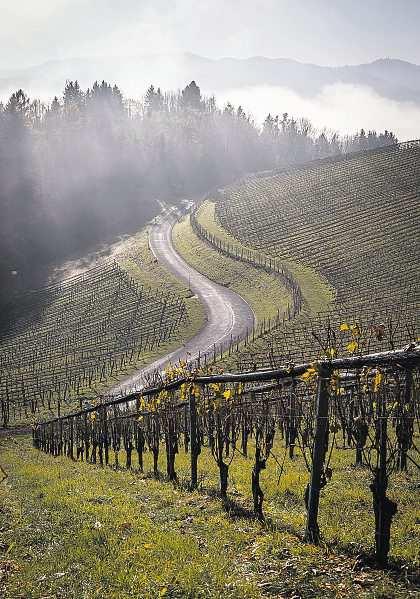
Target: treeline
<point>92,164</point>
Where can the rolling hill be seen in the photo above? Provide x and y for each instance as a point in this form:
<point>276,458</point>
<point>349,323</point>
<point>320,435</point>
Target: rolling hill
<point>389,78</point>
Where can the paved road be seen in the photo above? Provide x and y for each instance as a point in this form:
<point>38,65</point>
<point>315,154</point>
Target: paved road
<point>227,314</point>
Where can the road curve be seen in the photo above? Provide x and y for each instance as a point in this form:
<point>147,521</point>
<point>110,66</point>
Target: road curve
<point>227,314</point>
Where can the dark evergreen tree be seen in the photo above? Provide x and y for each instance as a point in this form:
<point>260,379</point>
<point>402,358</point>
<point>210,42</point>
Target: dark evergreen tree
<point>191,97</point>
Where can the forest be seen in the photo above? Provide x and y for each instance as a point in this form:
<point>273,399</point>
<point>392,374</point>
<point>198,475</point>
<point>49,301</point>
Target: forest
<point>91,164</point>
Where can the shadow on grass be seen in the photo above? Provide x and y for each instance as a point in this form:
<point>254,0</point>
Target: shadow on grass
<point>363,560</point>
<point>236,511</point>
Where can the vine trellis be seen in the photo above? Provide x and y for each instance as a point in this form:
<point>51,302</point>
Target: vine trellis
<point>371,401</point>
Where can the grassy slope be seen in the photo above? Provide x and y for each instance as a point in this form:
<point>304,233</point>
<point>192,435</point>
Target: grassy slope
<point>264,293</point>
<point>86,532</point>
<point>316,290</point>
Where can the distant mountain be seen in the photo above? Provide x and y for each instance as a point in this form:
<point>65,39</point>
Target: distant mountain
<point>390,78</point>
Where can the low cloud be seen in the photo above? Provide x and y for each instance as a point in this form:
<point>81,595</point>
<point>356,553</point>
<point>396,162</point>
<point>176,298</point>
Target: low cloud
<point>339,107</point>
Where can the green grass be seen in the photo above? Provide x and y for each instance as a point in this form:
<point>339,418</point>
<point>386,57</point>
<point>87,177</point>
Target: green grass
<point>74,530</point>
<point>317,292</point>
<point>263,292</point>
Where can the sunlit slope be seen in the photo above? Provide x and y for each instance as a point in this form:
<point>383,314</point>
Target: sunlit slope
<point>354,219</point>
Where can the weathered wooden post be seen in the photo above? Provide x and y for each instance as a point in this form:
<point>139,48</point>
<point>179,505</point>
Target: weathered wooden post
<point>60,448</point>
<point>4,412</point>
<point>86,436</point>
<point>384,508</point>
<point>71,445</point>
<point>318,454</point>
<point>223,467</point>
<point>194,443</point>
<point>292,426</point>
<point>259,464</point>
<point>404,429</point>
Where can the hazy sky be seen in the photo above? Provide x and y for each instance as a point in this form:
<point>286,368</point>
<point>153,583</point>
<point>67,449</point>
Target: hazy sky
<point>330,32</point>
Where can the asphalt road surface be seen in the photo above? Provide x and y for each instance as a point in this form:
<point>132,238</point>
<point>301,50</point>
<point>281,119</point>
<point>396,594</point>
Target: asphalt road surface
<point>227,314</point>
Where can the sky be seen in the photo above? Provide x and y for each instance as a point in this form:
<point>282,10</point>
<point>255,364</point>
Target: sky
<point>327,32</point>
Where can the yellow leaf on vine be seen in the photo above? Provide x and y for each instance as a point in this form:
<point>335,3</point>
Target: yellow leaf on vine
<point>377,381</point>
<point>309,374</point>
<point>352,347</point>
<point>330,352</point>
<point>216,387</point>
<point>183,391</point>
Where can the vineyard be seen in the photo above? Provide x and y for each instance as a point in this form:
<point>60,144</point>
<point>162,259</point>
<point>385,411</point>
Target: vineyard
<point>365,404</point>
<point>78,334</point>
<point>285,455</point>
<point>355,220</point>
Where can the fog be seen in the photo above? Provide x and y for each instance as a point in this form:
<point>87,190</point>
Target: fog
<point>100,115</point>
<point>91,164</point>
<point>319,31</point>
<point>339,107</point>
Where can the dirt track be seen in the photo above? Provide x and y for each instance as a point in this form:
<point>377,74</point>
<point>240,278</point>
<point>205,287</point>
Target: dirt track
<point>227,314</point>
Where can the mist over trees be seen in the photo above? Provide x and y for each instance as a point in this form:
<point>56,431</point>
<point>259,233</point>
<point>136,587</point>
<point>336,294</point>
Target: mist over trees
<point>92,164</point>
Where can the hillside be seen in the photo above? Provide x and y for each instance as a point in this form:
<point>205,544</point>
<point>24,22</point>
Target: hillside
<point>69,341</point>
<point>284,450</point>
<point>353,222</point>
<point>389,78</point>
<point>353,219</point>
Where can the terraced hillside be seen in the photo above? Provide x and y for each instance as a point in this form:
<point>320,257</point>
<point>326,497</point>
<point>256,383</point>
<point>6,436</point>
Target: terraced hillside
<point>354,219</point>
<point>78,334</point>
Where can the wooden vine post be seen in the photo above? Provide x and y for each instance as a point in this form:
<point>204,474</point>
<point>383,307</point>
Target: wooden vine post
<point>318,455</point>
<point>259,464</point>
<point>71,445</point>
<point>404,429</point>
<point>105,434</point>
<point>292,426</point>
<point>220,443</point>
<point>384,508</point>
<point>194,442</point>
<point>171,447</point>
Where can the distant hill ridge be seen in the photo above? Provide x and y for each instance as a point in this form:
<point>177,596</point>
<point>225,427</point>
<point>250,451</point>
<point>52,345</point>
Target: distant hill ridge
<point>391,78</point>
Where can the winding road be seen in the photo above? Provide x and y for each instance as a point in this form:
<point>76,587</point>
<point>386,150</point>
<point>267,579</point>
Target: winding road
<point>227,313</point>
